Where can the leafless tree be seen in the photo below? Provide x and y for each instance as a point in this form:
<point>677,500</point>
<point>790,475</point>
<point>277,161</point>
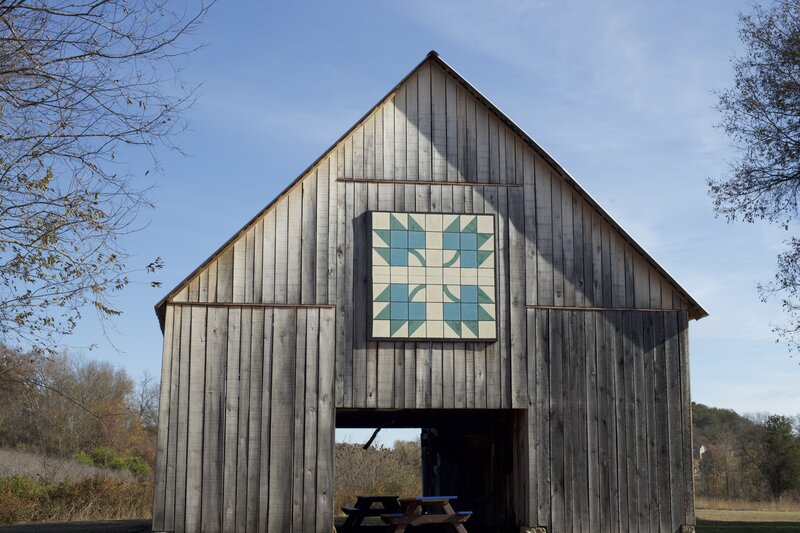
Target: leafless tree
<point>81,81</point>
<point>146,401</point>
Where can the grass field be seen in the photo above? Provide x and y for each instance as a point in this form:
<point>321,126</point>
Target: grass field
<point>713,526</point>
<point>732,516</point>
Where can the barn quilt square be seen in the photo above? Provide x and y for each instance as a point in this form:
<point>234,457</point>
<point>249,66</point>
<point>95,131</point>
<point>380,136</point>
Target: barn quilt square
<point>433,276</point>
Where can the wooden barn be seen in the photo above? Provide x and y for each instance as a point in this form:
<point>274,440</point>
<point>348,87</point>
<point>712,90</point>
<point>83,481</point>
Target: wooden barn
<point>435,268</point>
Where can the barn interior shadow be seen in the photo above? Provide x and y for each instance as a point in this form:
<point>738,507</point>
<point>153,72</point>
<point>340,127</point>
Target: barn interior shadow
<point>466,453</point>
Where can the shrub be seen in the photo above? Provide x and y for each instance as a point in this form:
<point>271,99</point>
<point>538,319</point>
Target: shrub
<point>25,500</point>
<point>108,458</point>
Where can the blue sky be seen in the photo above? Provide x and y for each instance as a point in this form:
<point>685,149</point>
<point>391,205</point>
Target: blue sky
<point>619,92</point>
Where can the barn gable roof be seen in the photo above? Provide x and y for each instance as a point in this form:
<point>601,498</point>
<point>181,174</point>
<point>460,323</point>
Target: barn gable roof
<point>696,311</point>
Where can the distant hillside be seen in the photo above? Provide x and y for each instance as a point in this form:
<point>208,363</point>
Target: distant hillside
<point>713,426</point>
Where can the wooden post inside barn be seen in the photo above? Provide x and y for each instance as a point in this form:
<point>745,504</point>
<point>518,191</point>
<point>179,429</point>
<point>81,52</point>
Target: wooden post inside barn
<point>434,268</point>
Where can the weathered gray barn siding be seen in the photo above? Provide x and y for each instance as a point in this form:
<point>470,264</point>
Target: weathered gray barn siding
<point>433,145</point>
<point>609,423</point>
<point>253,409</point>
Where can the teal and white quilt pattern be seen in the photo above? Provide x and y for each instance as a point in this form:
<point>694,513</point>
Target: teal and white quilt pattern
<point>433,276</point>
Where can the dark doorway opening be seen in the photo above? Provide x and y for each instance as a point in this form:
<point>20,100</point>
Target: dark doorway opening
<point>477,455</point>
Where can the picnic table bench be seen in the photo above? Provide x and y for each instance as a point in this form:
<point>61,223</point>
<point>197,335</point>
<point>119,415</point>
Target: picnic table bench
<point>426,510</point>
<point>364,508</point>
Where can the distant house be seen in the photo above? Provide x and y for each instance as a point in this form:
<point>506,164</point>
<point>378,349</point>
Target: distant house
<point>435,268</point>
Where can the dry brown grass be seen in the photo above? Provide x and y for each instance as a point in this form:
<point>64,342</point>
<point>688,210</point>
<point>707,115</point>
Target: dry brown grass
<point>23,500</point>
<point>747,511</point>
<point>53,469</point>
<point>37,488</point>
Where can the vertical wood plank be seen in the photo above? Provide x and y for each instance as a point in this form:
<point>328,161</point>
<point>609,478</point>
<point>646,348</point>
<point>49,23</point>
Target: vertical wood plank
<point>308,242</point>
<point>461,133</point>
<point>298,426</point>
<point>386,377</point>
<point>641,280</point>
<point>281,435</point>
<point>558,239</point>
<point>388,139</point>
<point>358,327</point>
<point>620,325</point>
<point>369,148</point>
<point>617,250</point>
<point>629,268</point>
<point>247,519</point>
<point>194,440</point>
<point>533,439</point>
<point>424,118</point>
<point>230,421</point>
<point>294,252</point>
<point>494,151</point>
<point>334,225</point>
<point>471,147</point>
<point>592,414</point>
<point>160,472</point>
<point>400,123</point>
<point>578,242</point>
<point>649,394</point>
<point>605,434</point>
<point>325,428</point>
<point>213,428</point>
<point>258,261</point>
<point>479,362</point>
<point>517,290</point>
<point>482,142</point>
<point>588,255</point>
<point>249,264</point>
<point>412,128</point>
<point>544,234</point>
<point>529,213</point>
<point>557,490</point>
<point>281,251</point>
<point>662,431</point>
<point>372,375</point>
<point>568,243</point>
<point>269,258</point>
<point>628,401</point>
<point>184,388</point>
<point>448,376</point>
<point>377,172</point>
<point>671,347</point>
<point>239,271</point>
<point>686,417</point>
<point>176,419</point>
<point>608,276</point>
<point>543,417</point>
<point>410,375</point>
<point>423,374</point>
<point>310,439</point>
<point>224,285</point>
<point>451,127</point>
<point>322,233</point>
<point>437,376</point>
<point>260,421</point>
<point>640,418</point>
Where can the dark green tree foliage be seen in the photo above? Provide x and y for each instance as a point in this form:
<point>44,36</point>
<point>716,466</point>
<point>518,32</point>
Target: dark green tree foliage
<point>761,114</point>
<point>82,82</point>
<point>780,463</point>
<point>712,425</point>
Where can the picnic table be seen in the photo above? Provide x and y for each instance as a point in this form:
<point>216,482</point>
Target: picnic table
<point>426,510</point>
<point>364,508</point>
